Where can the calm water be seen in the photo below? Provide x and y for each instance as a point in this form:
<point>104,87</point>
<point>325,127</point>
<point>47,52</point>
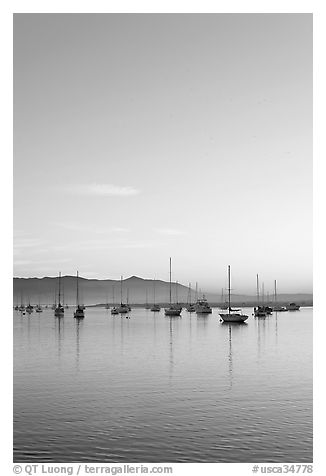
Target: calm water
<point>158,389</point>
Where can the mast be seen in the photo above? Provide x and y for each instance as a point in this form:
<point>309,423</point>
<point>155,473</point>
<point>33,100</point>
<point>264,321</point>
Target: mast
<point>257,290</point>
<point>170,281</point>
<point>190,293</point>
<point>77,298</point>
<point>275,295</point>
<point>121,289</point>
<point>176,291</point>
<point>229,279</point>
<point>263,293</point>
<point>196,291</point>
<point>113,295</point>
<point>59,289</point>
<point>154,291</point>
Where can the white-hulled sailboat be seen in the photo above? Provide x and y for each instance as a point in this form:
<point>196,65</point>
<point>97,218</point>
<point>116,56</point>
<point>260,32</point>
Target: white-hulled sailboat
<point>59,310</point>
<point>172,310</point>
<point>233,315</point>
<point>79,312</point>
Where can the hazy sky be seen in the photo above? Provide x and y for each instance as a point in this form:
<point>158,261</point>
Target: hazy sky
<point>143,136</point>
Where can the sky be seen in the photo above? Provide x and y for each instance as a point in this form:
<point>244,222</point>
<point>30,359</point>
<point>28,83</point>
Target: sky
<point>143,136</point>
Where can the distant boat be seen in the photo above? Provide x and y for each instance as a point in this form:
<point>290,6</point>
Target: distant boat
<point>114,309</point>
<point>38,308</point>
<point>155,307</point>
<point>59,311</point>
<point>293,307</point>
<point>202,306</point>
<point>233,315</point>
<point>123,308</point>
<point>29,308</point>
<point>79,311</point>
<point>259,310</point>
<point>173,309</point>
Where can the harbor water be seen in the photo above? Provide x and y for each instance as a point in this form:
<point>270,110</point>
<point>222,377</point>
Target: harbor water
<point>158,389</point>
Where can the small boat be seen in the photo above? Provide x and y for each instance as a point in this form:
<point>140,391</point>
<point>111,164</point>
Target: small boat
<point>38,308</point>
<point>29,309</point>
<point>202,306</point>
<point>155,307</point>
<point>259,311</point>
<point>293,307</point>
<point>233,315</point>
<point>123,308</point>
<point>114,310</point>
<point>59,310</point>
<point>16,308</point>
<point>173,309</point>
<point>79,311</point>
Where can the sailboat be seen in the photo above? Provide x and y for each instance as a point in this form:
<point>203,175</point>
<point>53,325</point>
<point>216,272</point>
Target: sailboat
<point>21,307</point>
<point>190,307</point>
<point>114,309</point>
<point>59,310</point>
<point>259,311</point>
<point>277,307</point>
<point>233,315</point>
<point>155,307</point>
<point>123,308</point>
<point>79,312</point>
<point>173,309</point>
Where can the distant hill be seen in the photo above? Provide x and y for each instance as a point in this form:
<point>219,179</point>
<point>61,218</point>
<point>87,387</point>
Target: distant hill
<point>95,291</point>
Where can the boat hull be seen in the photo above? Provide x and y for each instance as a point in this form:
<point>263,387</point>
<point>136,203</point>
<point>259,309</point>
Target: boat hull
<point>172,312</point>
<point>233,317</point>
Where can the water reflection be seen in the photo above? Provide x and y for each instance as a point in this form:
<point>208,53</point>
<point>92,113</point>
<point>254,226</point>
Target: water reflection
<point>78,324</point>
<point>59,334</point>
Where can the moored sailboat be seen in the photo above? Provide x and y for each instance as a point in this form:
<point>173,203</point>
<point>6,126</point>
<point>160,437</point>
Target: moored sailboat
<point>59,310</point>
<point>173,309</point>
<point>79,311</point>
<point>259,310</point>
<point>123,308</point>
<point>233,315</point>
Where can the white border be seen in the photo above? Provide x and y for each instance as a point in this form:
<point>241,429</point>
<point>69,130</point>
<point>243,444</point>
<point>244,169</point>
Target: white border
<point>318,9</point>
